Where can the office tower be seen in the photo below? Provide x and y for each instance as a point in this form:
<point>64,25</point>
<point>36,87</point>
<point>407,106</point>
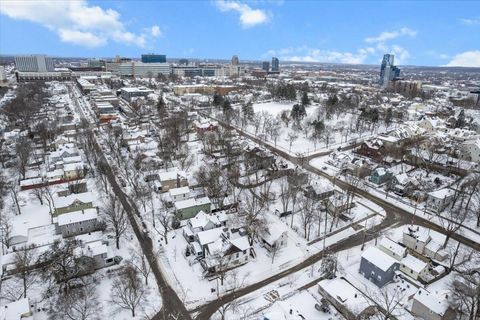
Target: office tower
<point>275,64</point>
<point>387,70</point>
<point>266,65</point>
<point>154,58</point>
<point>34,63</point>
<point>235,61</point>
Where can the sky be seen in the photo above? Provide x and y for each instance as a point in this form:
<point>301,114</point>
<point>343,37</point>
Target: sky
<point>423,33</point>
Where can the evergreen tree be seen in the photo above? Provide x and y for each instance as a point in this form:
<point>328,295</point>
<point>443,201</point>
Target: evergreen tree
<point>305,99</point>
<point>388,117</point>
<point>217,99</point>
<point>298,112</point>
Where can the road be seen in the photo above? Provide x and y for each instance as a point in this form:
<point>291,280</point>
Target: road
<point>395,216</point>
<point>172,306</point>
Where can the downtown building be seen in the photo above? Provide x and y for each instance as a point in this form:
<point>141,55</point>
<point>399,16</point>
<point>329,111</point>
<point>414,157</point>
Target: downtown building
<point>154,58</point>
<point>275,64</point>
<point>140,69</point>
<point>388,71</point>
<point>34,63</point>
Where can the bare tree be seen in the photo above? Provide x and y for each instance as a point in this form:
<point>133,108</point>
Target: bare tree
<point>24,261</point>
<point>466,290</point>
<point>6,230</point>
<point>389,303</point>
<point>307,209</point>
<point>234,283</point>
<point>23,149</point>
<point>61,264</point>
<point>78,304</point>
<point>140,263</point>
<point>285,194</point>
<point>128,290</point>
<point>116,217</point>
<point>451,221</point>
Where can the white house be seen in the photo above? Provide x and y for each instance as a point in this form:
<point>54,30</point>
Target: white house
<point>413,267</point>
<point>392,248</point>
<point>440,199</point>
<point>178,194</point>
<point>471,150</point>
<point>428,306</point>
<point>274,238</point>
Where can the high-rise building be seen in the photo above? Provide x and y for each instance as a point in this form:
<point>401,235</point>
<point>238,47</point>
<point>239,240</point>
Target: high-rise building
<point>154,58</point>
<point>34,63</point>
<point>235,61</point>
<point>266,65</point>
<point>387,70</point>
<point>275,65</point>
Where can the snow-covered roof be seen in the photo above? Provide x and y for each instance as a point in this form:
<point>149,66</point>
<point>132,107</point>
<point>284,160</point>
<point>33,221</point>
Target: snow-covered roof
<point>393,247</point>
<point>73,166</point>
<point>77,216</point>
<point>241,243</point>
<point>200,220</point>
<point>432,302</point>
<point>209,236</point>
<point>272,234</point>
<point>84,197</point>
<point>378,258</point>
<point>15,310</point>
<point>417,232</point>
<point>171,175</point>
<point>191,203</point>
<point>414,264</point>
<point>346,294</point>
<point>179,191</point>
<point>442,193</point>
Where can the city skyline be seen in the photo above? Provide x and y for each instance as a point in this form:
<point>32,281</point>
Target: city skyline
<point>440,34</point>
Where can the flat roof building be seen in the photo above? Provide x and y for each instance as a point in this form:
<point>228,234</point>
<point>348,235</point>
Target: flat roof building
<point>34,63</point>
<point>154,58</point>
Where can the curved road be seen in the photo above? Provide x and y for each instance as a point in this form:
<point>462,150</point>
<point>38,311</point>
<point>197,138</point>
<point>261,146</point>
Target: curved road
<point>394,216</point>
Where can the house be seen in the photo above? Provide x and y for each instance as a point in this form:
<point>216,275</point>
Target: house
<point>100,253</point>
<point>377,266</point>
<point>438,200</point>
<point>229,251</point>
<point>392,248</point>
<point>430,124</point>
<point>72,171</point>
<point>373,149</point>
<point>178,194</point>
<point>204,238</point>
<point>381,175</point>
<point>428,306</point>
<point>414,267</point>
<point>338,203</point>
<point>403,185</point>
<point>172,179</point>
<point>318,190</point>
<point>202,222</point>
<point>347,299</point>
<point>358,167</point>
<point>73,202</point>
<point>78,222</point>
<point>16,310</point>
<point>274,238</point>
<point>202,127</point>
<point>259,158</point>
<point>187,209</point>
<point>471,150</point>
